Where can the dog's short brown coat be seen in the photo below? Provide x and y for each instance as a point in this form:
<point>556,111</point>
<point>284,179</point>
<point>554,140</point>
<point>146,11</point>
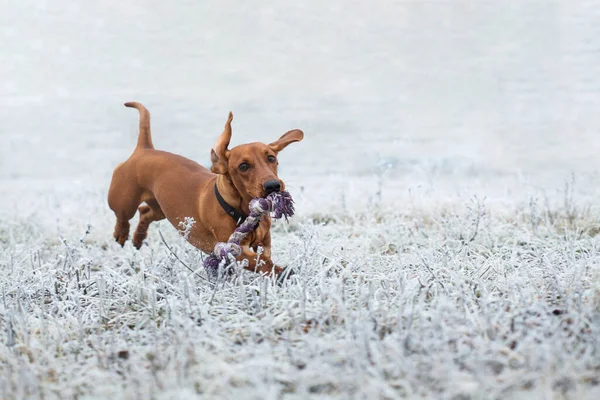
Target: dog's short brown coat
<point>174,187</point>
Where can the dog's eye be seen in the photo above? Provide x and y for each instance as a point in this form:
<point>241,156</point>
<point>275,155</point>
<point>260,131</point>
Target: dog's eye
<point>271,159</point>
<point>244,167</point>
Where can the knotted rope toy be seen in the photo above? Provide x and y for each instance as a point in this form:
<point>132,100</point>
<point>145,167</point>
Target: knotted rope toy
<point>280,204</point>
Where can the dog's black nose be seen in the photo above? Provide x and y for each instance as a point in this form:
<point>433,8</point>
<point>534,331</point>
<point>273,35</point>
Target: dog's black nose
<point>272,186</point>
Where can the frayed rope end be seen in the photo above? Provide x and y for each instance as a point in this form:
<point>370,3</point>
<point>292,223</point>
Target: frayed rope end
<point>282,205</point>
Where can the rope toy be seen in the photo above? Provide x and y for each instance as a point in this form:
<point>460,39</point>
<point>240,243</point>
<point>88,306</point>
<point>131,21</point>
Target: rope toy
<point>280,204</point>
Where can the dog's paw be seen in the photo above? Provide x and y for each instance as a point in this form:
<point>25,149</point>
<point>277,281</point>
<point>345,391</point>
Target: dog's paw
<point>121,239</point>
<point>121,233</point>
<point>284,274</point>
<point>138,241</point>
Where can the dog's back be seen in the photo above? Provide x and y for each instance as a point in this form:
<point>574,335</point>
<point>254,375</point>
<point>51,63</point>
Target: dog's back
<point>156,178</point>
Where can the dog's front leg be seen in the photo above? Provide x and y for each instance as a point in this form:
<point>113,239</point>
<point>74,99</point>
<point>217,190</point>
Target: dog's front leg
<point>262,263</point>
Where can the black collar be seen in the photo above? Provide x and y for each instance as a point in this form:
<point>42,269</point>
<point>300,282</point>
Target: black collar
<point>235,214</point>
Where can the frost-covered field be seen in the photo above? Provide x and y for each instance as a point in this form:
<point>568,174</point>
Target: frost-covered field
<point>446,243</point>
<point>443,302</point>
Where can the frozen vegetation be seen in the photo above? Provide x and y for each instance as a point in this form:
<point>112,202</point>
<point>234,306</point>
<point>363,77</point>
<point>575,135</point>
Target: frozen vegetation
<point>447,302</point>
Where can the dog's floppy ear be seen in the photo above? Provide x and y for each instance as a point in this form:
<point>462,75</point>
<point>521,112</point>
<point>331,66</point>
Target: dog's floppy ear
<point>292,136</point>
<point>219,154</point>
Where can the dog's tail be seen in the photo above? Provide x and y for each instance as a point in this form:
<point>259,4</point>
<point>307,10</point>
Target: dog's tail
<point>144,139</point>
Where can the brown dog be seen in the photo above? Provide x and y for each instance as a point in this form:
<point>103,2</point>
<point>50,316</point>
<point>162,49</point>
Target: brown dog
<point>175,187</point>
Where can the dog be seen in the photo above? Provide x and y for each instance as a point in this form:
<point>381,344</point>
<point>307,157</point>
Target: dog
<point>174,187</point>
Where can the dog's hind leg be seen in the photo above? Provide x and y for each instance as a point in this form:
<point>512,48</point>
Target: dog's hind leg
<point>121,233</point>
<point>148,214</point>
<point>124,201</point>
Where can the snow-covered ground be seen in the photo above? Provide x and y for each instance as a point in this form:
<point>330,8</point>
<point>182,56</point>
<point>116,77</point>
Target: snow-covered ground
<point>446,242</point>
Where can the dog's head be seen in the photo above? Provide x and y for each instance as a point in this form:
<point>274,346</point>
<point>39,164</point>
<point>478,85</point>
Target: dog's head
<point>251,167</point>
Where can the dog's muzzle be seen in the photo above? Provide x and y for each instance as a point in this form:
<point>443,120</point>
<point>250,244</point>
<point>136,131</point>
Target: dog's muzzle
<point>272,185</point>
